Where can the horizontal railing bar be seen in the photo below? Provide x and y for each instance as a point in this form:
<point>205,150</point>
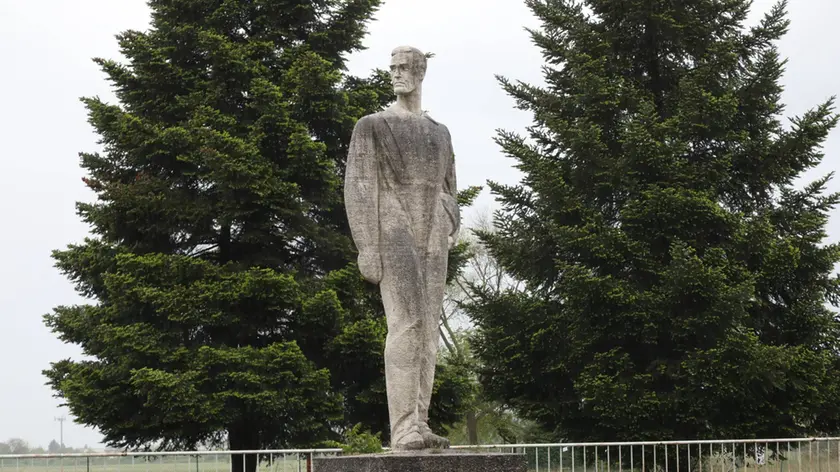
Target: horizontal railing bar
<point>481,446</point>
<point>169,453</point>
<point>649,443</point>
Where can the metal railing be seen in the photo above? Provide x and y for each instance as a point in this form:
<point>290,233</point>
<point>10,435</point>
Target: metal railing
<point>783,455</point>
<point>280,460</point>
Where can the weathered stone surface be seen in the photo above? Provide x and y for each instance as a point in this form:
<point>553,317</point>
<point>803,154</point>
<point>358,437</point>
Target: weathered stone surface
<point>424,462</point>
<point>400,196</point>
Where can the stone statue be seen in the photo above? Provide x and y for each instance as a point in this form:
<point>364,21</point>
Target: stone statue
<point>401,204</point>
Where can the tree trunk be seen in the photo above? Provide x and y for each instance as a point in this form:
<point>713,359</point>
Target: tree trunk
<point>472,428</point>
<point>242,438</point>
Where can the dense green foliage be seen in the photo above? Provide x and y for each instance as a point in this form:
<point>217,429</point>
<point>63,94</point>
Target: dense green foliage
<point>224,304</point>
<point>357,441</point>
<point>676,280</point>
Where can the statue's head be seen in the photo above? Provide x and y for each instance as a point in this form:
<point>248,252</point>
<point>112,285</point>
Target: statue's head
<point>408,68</point>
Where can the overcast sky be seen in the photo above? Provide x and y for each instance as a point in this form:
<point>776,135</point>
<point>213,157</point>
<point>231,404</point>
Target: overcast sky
<point>45,66</point>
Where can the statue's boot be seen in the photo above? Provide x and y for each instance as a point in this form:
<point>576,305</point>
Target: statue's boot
<point>412,441</point>
<point>432,440</point>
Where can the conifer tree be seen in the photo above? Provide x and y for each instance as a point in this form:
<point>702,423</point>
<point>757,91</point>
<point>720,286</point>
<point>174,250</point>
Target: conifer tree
<point>677,277</point>
<point>224,308</point>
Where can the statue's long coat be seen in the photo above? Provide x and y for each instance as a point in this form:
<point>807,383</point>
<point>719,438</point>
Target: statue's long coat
<point>400,194</point>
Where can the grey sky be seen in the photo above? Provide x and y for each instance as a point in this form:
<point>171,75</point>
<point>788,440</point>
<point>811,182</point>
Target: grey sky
<point>45,51</point>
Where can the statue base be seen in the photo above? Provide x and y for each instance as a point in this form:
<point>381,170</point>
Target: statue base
<point>423,461</point>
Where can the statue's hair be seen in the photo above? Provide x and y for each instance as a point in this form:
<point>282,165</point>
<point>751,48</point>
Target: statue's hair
<point>418,58</point>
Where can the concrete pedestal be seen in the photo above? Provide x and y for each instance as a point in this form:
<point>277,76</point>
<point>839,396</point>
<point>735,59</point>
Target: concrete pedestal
<point>448,461</point>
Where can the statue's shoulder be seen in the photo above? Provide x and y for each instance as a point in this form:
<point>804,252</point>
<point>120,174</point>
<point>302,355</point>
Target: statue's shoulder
<point>380,115</point>
<point>429,117</point>
<point>367,124</point>
<point>442,127</point>
<point>368,120</point>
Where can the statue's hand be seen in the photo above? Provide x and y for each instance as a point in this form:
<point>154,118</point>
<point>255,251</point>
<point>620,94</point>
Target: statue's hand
<point>370,265</point>
<point>453,212</point>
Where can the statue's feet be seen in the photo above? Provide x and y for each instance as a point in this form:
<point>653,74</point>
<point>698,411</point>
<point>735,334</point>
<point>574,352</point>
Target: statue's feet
<point>412,441</point>
<point>432,440</point>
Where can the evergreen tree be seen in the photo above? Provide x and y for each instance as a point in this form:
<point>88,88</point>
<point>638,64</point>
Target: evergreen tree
<point>676,279</point>
<point>224,306</point>
<point>54,447</point>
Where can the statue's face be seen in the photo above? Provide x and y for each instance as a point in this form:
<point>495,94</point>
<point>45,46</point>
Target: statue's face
<point>404,76</point>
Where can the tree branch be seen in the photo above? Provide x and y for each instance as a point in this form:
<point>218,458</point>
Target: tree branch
<point>445,324</point>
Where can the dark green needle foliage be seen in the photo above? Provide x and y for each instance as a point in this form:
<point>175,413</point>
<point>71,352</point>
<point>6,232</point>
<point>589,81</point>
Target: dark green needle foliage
<point>677,276</point>
<point>224,306</point>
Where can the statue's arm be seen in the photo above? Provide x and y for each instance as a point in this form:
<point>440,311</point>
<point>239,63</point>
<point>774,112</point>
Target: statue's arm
<point>450,191</point>
<point>361,188</point>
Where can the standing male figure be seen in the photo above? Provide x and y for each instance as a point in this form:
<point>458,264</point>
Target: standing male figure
<point>401,203</point>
